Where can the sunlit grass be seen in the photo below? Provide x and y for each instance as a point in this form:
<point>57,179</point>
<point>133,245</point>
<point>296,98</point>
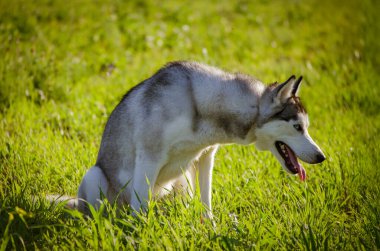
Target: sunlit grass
<point>64,66</point>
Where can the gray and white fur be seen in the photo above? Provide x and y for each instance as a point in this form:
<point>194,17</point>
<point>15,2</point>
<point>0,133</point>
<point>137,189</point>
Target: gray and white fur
<point>167,129</point>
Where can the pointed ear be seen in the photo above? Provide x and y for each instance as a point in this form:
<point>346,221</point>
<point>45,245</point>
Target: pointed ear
<point>283,91</point>
<point>296,86</point>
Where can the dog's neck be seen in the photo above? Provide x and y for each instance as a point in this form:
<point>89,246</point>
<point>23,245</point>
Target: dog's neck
<point>243,125</point>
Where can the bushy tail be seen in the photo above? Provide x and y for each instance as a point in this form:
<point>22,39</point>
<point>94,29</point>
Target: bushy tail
<point>68,201</point>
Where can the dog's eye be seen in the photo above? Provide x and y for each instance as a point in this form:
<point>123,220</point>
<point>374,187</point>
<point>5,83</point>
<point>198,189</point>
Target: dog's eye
<point>298,127</point>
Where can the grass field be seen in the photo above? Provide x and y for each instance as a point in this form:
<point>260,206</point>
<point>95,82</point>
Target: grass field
<point>64,65</point>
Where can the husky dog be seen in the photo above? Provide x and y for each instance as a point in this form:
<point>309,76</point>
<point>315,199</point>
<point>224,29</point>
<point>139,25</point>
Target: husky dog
<point>166,131</point>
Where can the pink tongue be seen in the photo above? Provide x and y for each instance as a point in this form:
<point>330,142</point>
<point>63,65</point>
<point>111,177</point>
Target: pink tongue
<point>301,171</point>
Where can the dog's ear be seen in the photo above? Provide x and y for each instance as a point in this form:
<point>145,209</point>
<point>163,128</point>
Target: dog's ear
<point>296,86</point>
<point>284,91</point>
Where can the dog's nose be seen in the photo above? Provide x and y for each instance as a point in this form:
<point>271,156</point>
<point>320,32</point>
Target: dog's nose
<point>320,158</point>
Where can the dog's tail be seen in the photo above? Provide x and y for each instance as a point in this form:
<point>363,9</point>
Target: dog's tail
<point>68,201</point>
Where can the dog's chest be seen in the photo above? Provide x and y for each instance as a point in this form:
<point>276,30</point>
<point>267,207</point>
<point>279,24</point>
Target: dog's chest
<point>179,159</point>
<point>182,146</point>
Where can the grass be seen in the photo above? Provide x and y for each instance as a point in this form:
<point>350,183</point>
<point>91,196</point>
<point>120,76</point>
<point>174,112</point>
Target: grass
<point>64,66</point>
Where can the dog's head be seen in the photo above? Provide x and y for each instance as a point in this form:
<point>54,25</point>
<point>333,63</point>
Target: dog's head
<point>282,127</point>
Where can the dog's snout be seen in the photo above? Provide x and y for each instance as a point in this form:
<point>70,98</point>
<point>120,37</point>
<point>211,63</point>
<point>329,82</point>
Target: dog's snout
<point>320,158</point>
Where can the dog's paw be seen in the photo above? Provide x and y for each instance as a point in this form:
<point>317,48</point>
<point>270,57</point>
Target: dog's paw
<point>208,216</point>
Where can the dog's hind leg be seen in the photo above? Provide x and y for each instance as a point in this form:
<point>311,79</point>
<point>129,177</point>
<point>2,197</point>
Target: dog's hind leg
<point>144,179</point>
<point>94,184</point>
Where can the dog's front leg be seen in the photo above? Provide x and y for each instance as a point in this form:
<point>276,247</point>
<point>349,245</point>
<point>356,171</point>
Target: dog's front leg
<point>144,178</point>
<point>205,166</point>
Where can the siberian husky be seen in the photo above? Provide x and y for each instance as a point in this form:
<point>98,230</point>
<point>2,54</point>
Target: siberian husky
<point>164,133</point>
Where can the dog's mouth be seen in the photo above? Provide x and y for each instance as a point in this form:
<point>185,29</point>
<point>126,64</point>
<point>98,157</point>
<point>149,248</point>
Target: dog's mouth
<point>290,160</point>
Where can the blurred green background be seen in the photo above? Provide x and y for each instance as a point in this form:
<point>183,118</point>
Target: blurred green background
<point>64,65</point>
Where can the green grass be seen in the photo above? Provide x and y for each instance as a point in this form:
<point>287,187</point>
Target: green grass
<point>64,65</point>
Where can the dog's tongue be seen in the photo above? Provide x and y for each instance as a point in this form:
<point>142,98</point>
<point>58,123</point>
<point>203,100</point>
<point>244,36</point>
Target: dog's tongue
<point>301,171</point>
